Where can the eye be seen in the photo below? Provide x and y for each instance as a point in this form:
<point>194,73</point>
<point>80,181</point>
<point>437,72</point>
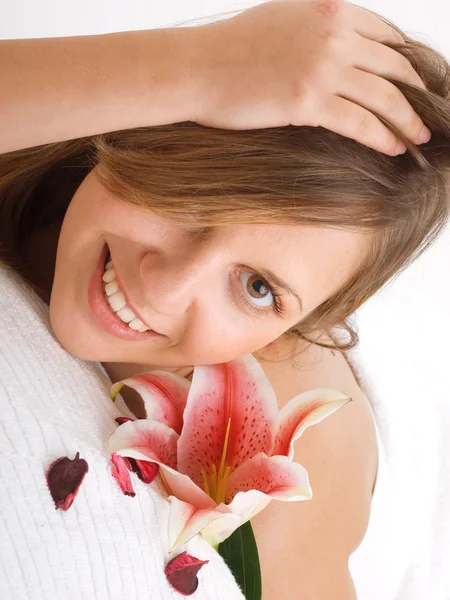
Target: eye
<point>256,289</point>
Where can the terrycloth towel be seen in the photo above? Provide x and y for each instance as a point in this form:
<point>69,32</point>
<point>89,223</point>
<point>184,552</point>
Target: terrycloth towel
<point>107,546</point>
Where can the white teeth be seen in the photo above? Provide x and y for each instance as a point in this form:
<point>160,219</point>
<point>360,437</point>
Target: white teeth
<point>126,314</point>
<point>117,301</point>
<point>138,325</point>
<point>109,275</point>
<point>111,288</point>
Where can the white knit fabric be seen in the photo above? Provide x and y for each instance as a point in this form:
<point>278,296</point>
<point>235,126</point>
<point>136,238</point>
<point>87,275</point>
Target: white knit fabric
<point>107,546</point>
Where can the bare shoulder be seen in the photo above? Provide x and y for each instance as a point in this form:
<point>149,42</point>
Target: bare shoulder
<point>305,546</point>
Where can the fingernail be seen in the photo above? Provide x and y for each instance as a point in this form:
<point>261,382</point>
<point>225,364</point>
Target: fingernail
<point>400,148</point>
<point>425,135</point>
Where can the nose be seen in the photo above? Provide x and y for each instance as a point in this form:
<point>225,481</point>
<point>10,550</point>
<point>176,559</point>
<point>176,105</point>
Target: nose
<point>173,282</point>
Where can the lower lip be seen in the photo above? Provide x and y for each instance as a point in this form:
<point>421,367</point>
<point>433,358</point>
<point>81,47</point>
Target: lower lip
<point>102,313</point>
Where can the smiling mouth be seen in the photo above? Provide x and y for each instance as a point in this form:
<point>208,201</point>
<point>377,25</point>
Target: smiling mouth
<point>116,299</point>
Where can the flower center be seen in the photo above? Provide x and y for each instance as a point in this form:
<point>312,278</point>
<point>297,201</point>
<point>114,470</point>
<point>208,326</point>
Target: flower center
<point>215,482</point>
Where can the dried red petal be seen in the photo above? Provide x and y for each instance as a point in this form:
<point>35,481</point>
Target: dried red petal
<point>144,469</point>
<point>121,474</point>
<point>122,420</point>
<point>64,477</point>
<point>182,571</point>
<point>128,464</point>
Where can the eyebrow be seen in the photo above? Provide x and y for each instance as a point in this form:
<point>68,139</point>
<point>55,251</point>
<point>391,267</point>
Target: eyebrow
<point>270,275</point>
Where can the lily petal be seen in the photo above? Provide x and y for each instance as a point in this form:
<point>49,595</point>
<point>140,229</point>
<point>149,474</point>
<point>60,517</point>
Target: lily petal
<point>150,440</point>
<point>186,520</point>
<point>302,411</point>
<point>238,392</point>
<point>277,477</point>
<point>146,440</point>
<point>248,504</point>
<point>221,528</point>
<point>164,395</point>
<point>185,489</point>
<point>244,507</point>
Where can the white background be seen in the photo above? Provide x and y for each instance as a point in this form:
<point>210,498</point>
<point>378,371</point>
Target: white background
<point>428,21</point>
<point>46,18</point>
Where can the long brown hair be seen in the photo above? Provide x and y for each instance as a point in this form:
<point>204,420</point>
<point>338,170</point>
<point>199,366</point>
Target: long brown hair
<point>283,175</point>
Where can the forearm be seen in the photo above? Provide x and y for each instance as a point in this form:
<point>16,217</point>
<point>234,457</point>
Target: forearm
<point>55,89</point>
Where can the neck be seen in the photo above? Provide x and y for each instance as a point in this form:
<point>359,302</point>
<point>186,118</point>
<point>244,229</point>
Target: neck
<point>118,371</point>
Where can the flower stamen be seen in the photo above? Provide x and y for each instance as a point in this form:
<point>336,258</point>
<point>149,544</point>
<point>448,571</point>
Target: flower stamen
<point>205,482</point>
<point>221,489</point>
<point>215,483</point>
<point>213,478</point>
<point>224,451</point>
<point>115,390</point>
<point>165,482</point>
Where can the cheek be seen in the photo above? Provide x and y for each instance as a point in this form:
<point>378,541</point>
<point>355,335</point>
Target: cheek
<point>69,325</point>
<point>213,345</point>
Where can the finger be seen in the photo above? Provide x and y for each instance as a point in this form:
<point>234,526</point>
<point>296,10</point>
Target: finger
<point>385,62</point>
<point>371,26</point>
<point>384,98</point>
<point>352,121</point>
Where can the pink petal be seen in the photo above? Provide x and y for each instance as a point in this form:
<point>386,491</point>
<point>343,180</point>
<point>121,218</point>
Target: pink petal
<point>120,473</point>
<point>186,520</point>
<point>149,440</point>
<point>276,477</point>
<point>237,390</point>
<point>302,411</point>
<point>144,469</point>
<point>244,507</point>
<point>186,490</point>
<point>221,528</point>
<point>164,395</point>
<point>64,478</point>
<point>146,440</point>
<point>248,504</point>
<point>182,571</point>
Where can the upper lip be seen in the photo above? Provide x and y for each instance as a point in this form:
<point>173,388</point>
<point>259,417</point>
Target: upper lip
<point>128,300</point>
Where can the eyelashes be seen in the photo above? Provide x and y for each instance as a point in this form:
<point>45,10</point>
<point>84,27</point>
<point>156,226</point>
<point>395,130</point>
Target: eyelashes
<point>275,307</point>
<point>278,306</point>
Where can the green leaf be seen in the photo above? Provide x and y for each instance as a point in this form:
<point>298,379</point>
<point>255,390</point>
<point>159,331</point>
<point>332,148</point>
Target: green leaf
<point>240,553</point>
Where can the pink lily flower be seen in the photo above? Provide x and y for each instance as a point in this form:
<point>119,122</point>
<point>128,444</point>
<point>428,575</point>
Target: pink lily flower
<point>223,449</point>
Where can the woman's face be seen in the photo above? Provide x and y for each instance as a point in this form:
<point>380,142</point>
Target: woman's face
<point>204,295</point>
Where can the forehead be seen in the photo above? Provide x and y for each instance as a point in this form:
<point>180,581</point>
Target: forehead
<point>315,261</point>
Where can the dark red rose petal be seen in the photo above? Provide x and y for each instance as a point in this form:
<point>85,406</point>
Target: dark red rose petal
<point>182,571</point>
<point>120,472</point>
<point>144,469</point>
<point>122,420</point>
<point>64,477</point>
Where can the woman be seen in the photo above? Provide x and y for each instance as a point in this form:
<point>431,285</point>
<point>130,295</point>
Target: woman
<point>209,243</point>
